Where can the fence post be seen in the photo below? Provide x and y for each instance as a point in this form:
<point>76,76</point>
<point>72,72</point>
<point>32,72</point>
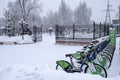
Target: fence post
<point>108,29</point>
<point>35,33</point>
<point>41,31</point>
<point>56,31</point>
<point>104,29</point>
<point>100,30</point>
<point>119,29</point>
<point>93,30</point>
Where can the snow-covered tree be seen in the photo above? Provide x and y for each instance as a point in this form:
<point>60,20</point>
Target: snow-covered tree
<point>2,23</point>
<point>24,9</point>
<point>65,14</point>
<point>82,14</point>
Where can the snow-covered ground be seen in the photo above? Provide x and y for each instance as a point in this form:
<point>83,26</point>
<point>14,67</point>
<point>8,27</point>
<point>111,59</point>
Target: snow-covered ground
<point>18,39</point>
<point>37,62</point>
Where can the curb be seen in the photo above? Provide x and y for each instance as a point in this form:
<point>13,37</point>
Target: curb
<point>14,43</point>
<point>8,43</point>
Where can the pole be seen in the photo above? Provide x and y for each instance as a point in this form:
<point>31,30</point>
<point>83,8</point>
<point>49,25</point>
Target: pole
<point>100,30</point>
<point>73,31</point>
<point>93,30</point>
<point>22,25</point>
<point>56,31</point>
<point>104,29</point>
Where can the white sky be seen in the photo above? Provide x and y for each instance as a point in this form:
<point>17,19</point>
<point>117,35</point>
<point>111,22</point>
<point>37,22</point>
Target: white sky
<point>96,5</point>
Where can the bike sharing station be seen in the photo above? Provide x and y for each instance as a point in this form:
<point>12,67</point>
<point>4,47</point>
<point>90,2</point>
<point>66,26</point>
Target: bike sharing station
<point>95,58</point>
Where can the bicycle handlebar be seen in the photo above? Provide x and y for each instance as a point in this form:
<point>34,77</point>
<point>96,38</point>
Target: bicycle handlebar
<point>68,55</point>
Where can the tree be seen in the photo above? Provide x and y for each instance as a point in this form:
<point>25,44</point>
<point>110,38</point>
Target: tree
<point>35,19</point>
<point>61,17</point>
<point>82,14</point>
<point>14,10</point>
<point>51,20</point>
<point>50,17</point>
<point>119,13</point>
<point>27,6</point>
<point>65,14</point>
<point>24,9</point>
<point>2,23</point>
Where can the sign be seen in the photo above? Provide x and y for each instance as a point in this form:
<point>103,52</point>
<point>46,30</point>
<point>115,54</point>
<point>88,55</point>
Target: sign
<point>112,36</point>
<point>116,21</point>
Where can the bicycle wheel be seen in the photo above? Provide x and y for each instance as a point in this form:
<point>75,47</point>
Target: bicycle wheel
<point>108,55</point>
<point>98,70</point>
<point>106,62</point>
<point>109,52</point>
<point>58,67</point>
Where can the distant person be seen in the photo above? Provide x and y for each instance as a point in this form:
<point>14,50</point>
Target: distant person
<point>50,31</point>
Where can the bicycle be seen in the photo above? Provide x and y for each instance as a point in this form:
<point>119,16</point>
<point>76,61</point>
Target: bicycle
<point>91,60</point>
<point>88,64</point>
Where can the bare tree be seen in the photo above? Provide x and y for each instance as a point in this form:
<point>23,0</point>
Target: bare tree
<point>34,19</point>
<point>65,14</point>
<point>51,20</point>
<point>27,6</point>
<point>61,17</point>
<point>82,14</point>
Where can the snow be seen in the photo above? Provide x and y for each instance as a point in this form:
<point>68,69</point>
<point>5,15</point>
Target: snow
<point>18,39</point>
<point>37,62</point>
<point>20,72</point>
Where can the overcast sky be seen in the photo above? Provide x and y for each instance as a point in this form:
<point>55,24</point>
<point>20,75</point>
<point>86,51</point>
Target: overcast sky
<point>96,5</point>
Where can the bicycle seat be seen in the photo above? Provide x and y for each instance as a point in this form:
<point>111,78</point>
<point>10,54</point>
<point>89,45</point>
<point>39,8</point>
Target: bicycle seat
<point>90,46</point>
<point>81,51</point>
<point>94,41</point>
<point>85,46</point>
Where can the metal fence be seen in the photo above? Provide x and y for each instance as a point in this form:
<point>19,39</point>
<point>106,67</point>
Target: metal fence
<point>74,32</point>
<point>83,32</point>
<point>117,29</point>
<point>100,30</point>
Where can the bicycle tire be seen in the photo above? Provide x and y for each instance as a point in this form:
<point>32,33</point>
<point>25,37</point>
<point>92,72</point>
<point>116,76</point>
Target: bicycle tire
<point>58,67</point>
<point>100,68</point>
<point>109,52</point>
<point>108,63</point>
<point>108,55</point>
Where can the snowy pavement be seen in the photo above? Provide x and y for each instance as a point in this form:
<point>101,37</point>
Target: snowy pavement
<point>115,66</point>
<point>45,52</point>
<point>37,62</point>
